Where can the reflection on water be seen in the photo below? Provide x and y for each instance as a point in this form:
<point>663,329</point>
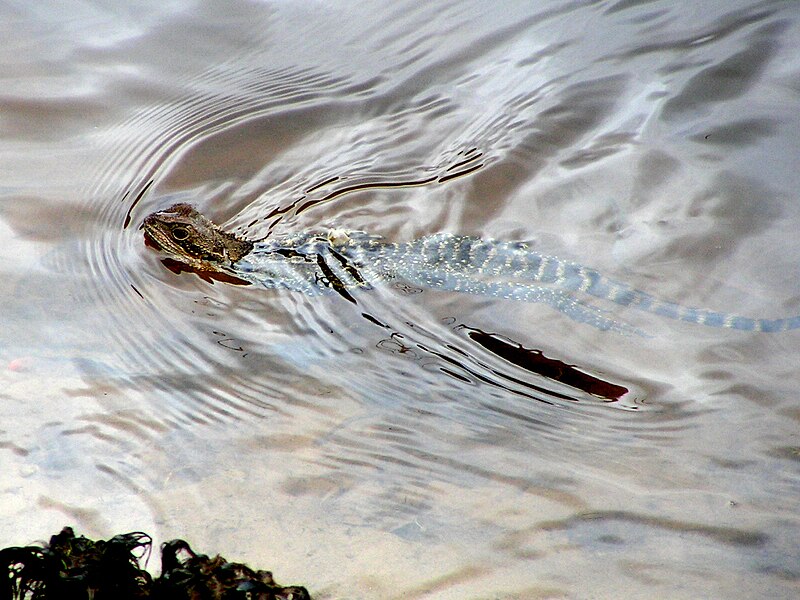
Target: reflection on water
<point>414,443</point>
<point>535,362</point>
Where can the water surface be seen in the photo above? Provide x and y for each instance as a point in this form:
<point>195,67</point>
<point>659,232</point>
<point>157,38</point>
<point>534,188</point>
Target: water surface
<point>415,443</point>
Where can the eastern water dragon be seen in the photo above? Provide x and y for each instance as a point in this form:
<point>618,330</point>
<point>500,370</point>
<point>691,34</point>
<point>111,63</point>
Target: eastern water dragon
<point>345,261</point>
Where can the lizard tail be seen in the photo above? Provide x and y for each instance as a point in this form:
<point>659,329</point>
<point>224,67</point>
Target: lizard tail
<point>468,259</point>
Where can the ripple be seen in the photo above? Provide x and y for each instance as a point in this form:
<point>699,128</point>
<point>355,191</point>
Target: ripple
<point>479,434</point>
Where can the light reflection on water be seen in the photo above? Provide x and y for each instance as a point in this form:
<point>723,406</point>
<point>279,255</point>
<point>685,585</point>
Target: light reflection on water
<point>395,447</point>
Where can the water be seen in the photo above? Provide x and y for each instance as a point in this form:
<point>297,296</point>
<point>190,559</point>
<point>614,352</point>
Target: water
<point>417,444</point>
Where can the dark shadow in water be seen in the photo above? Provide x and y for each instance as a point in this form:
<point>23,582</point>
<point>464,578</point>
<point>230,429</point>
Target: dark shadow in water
<point>535,361</point>
<point>400,343</point>
<point>728,79</point>
<point>178,267</point>
<point>531,360</point>
<point>725,535</point>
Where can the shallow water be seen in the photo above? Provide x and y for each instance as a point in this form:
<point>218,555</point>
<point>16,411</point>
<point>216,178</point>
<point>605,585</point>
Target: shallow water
<point>417,443</point>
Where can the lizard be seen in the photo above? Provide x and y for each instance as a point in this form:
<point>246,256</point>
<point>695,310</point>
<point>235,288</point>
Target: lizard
<point>344,261</point>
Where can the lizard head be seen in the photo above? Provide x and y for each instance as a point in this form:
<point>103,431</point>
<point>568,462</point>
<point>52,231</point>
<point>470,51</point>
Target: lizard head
<point>187,236</point>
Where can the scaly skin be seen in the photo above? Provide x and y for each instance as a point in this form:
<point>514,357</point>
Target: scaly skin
<point>187,236</point>
<point>342,261</point>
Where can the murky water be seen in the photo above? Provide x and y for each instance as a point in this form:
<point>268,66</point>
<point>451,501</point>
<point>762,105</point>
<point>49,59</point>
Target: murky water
<point>415,444</point>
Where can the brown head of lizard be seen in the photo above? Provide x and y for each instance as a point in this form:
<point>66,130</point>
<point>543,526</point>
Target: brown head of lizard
<point>189,237</point>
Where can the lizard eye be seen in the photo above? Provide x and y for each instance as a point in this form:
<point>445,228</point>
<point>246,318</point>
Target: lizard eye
<point>180,233</point>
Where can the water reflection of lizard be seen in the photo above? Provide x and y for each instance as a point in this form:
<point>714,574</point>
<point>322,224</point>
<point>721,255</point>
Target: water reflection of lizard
<point>344,261</point>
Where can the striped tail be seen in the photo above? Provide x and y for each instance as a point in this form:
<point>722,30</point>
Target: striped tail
<point>514,260</point>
